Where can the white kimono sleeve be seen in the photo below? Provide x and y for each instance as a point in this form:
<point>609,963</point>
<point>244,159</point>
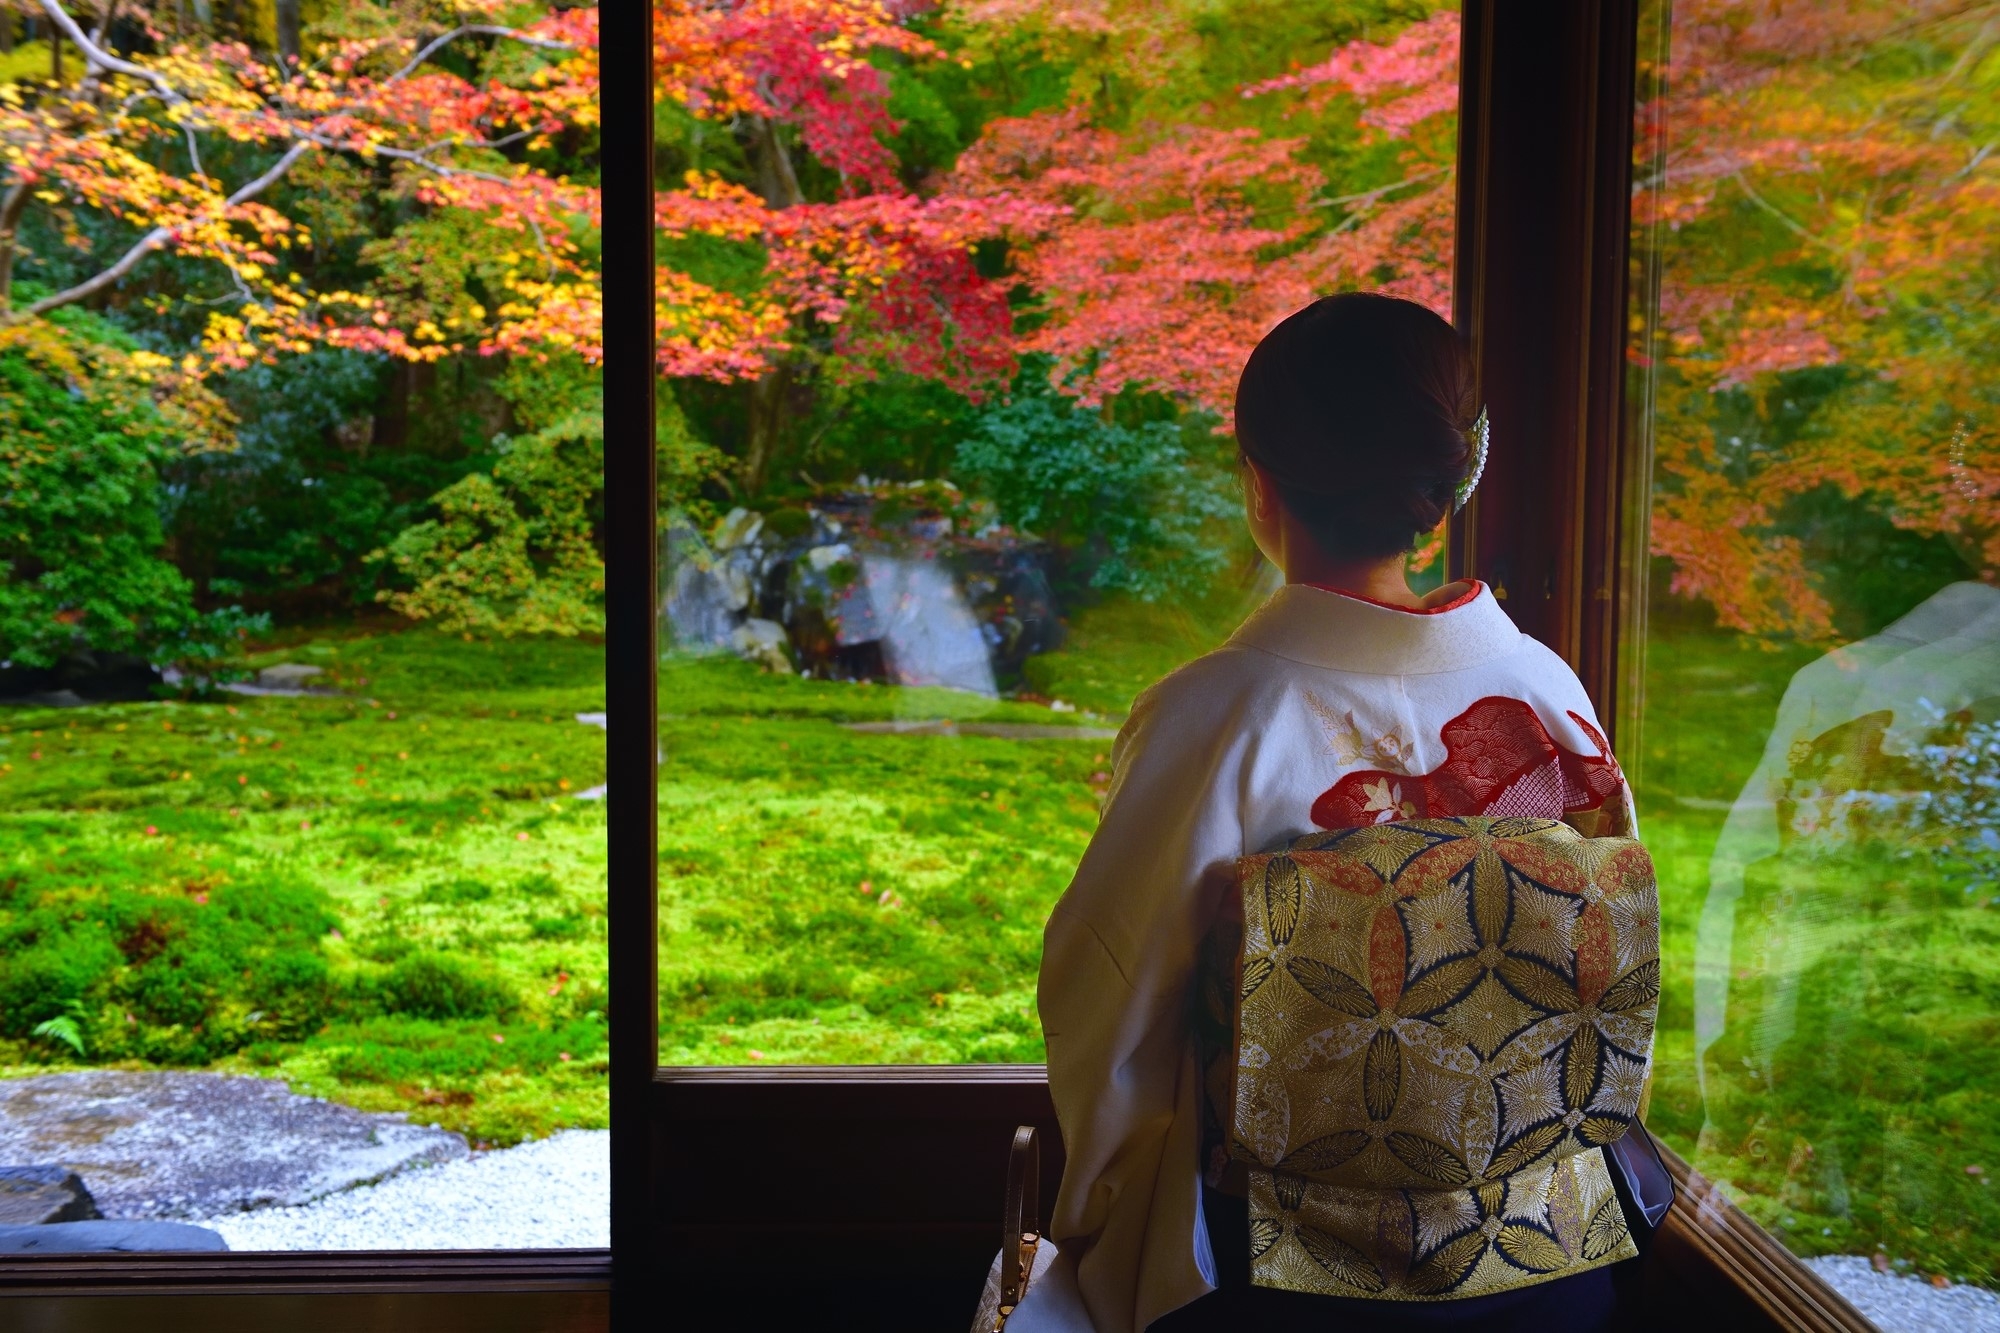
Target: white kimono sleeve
<point>1117,970</point>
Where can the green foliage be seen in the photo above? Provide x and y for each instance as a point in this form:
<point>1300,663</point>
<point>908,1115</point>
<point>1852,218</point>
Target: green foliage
<point>435,985</point>
<point>897,426</point>
<point>1139,505</point>
<point>687,463</point>
<point>179,974</point>
<point>337,452</point>
<point>62,1030</point>
<point>513,551</point>
<point>83,427</point>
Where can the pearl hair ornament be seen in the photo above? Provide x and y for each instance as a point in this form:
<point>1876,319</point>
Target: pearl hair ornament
<point>1480,437</point>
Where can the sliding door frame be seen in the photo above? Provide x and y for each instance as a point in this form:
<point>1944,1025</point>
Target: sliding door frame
<point>497,1291</point>
<point>870,1197</point>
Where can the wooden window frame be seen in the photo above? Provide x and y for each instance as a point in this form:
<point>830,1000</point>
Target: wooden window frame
<point>484,1291</point>
<point>869,1197</point>
<point>879,1188</point>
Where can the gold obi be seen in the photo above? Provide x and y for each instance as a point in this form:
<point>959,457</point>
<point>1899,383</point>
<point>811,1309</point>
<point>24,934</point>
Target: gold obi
<point>1419,1037</point>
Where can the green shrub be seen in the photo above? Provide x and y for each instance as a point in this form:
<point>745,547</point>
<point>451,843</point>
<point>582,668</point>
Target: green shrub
<point>458,891</point>
<point>292,990</point>
<point>85,420</point>
<point>514,550</point>
<point>435,985</point>
<point>182,985</point>
<point>313,485</point>
<point>1136,505</point>
<point>42,981</point>
<point>556,927</point>
<point>175,977</point>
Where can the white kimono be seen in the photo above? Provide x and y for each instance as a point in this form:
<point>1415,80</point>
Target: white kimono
<point>1322,711</point>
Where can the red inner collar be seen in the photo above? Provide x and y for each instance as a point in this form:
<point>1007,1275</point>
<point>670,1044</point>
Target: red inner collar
<point>1472,591</point>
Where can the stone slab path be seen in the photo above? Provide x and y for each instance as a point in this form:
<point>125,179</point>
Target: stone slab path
<point>153,1144</point>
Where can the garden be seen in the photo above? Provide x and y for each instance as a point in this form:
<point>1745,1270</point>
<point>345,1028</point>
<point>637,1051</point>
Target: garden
<point>301,568</point>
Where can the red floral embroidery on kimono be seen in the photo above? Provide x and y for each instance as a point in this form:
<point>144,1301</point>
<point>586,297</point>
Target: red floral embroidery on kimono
<point>1499,760</point>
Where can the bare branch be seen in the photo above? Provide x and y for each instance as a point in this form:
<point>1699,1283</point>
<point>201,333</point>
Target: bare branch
<point>1379,192</point>
<point>159,236</point>
<point>99,58</point>
<point>1791,224</point>
<point>438,44</point>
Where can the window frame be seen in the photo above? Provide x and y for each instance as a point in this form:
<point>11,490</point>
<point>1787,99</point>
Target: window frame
<point>876,1189</point>
<point>1558,526</point>
<point>491,1291</point>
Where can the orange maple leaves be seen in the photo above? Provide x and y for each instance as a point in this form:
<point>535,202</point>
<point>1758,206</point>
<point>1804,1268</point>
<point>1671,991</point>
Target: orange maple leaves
<point>127,141</point>
<point>1826,199</point>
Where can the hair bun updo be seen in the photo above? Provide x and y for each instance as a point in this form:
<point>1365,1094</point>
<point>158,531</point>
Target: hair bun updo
<point>1359,408</point>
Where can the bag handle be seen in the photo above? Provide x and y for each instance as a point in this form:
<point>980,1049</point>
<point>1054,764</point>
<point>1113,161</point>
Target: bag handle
<point>1021,1220</point>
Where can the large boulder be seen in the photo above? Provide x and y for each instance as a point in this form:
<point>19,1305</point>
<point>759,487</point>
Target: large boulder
<point>166,1144</point>
<point>36,1195</point>
<point>877,583</point>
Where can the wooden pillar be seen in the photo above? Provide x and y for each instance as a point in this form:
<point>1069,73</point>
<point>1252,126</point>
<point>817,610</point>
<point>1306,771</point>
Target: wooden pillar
<point>1545,176</point>
<point>631,648</point>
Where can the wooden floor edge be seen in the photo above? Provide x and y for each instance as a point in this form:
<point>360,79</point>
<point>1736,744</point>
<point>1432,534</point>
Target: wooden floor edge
<point>329,1271</point>
<point>1754,1260</point>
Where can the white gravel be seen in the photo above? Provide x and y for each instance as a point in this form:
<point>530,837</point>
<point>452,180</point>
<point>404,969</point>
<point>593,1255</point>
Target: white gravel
<point>1898,1304</point>
<point>550,1194</point>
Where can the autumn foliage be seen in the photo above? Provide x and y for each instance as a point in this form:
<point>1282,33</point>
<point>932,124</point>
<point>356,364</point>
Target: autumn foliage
<point>133,140</point>
<point>1181,244</point>
<point>889,270</point>
<point>1819,187</point>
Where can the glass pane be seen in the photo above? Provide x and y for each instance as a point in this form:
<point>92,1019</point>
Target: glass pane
<point>951,321</point>
<point>1819,743</point>
<point>301,908</point>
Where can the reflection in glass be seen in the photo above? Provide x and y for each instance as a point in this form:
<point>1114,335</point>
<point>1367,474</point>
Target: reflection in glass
<point>1818,758</point>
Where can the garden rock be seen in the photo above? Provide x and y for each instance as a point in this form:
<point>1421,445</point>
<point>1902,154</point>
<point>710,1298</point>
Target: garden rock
<point>739,527</point>
<point>288,675</point>
<point>157,1144</point>
<point>866,586</point>
<point>284,678</point>
<point>37,1195</point>
<point>81,677</point>
<point>109,1238</point>
<point>763,642</point>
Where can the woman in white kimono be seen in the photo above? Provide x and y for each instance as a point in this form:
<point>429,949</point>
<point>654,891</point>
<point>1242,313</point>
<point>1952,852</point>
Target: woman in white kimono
<point>1346,699</point>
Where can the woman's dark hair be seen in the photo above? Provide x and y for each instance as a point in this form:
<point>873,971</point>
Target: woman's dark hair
<point>1359,407</point>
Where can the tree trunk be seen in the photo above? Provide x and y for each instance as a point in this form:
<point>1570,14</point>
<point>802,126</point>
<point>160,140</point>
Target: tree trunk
<point>12,205</point>
<point>776,180</point>
<point>7,32</point>
<point>769,397</point>
<point>288,34</point>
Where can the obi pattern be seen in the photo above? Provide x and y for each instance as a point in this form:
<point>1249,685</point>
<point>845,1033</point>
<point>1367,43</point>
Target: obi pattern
<point>1436,1025</point>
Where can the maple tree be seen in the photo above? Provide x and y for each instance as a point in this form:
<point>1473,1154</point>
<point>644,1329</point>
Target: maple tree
<point>1183,243</point>
<point>131,139</point>
<point>1823,207</point>
<point>875,277</point>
